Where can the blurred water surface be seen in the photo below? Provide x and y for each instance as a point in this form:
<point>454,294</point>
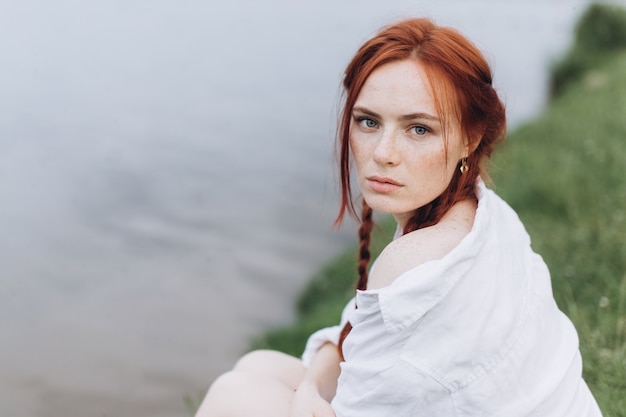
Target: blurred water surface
<point>167,183</point>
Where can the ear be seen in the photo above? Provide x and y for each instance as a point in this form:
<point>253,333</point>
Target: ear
<point>465,151</point>
<point>472,142</point>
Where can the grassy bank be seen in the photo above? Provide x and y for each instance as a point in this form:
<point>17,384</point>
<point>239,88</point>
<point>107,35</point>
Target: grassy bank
<point>564,175</point>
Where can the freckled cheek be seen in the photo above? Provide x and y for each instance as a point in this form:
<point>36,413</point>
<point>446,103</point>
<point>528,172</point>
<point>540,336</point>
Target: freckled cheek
<point>430,163</point>
<point>358,151</point>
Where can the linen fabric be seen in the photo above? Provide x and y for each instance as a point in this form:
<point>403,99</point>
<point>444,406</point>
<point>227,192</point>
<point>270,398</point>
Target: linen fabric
<point>475,333</point>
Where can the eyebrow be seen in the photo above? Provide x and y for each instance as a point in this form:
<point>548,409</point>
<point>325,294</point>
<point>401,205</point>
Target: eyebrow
<point>405,117</point>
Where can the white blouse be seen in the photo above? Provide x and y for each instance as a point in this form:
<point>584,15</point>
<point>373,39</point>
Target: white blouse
<point>475,333</point>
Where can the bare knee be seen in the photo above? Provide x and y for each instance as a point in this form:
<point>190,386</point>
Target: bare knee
<point>222,396</point>
<point>227,385</point>
<point>242,394</point>
<point>259,360</point>
<point>278,365</point>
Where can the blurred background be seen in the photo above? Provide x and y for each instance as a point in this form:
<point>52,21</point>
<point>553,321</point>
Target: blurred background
<point>167,179</point>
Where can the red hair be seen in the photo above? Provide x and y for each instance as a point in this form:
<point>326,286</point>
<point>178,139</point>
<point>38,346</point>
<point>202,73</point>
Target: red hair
<point>461,82</point>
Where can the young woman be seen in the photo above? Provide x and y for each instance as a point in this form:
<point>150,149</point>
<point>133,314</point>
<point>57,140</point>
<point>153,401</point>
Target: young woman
<point>456,316</point>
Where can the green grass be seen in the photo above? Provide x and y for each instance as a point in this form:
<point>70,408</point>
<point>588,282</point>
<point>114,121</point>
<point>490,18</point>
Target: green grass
<point>600,31</point>
<point>564,173</point>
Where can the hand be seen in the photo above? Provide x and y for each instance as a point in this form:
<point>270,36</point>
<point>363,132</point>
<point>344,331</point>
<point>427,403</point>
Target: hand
<point>307,402</point>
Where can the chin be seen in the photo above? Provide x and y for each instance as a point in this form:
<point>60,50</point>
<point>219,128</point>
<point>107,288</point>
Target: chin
<point>383,204</point>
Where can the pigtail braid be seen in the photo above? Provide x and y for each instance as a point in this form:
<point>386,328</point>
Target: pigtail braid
<point>365,232</point>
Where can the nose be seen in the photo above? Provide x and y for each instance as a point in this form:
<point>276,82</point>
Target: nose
<point>386,151</point>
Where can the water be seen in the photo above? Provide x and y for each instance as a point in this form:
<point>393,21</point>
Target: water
<point>167,184</point>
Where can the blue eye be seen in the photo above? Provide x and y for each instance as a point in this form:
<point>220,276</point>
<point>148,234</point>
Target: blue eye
<point>420,130</point>
<point>368,123</point>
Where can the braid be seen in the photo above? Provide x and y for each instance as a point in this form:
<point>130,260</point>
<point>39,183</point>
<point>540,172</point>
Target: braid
<point>365,232</point>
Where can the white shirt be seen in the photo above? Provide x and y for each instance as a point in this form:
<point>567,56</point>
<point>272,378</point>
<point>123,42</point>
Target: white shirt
<point>475,333</point>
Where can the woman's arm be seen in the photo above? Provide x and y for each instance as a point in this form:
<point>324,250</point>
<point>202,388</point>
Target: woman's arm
<point>321,361</point>
<point>324,371</point>
<point>313,395</point>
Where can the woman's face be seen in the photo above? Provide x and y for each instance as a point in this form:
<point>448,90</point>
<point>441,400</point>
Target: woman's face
<point>397,141</point>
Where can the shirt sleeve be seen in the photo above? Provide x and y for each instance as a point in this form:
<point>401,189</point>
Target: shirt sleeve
<point>326,335</point>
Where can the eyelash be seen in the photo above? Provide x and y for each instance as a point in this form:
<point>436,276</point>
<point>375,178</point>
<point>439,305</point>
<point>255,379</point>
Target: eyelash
<point>424,128</point>
<point>361,119</point>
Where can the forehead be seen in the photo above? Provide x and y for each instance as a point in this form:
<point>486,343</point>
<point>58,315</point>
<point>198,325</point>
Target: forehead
<point>398,87</point>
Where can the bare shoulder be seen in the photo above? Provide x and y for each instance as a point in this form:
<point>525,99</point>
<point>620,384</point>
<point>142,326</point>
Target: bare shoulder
<point>423,245</point>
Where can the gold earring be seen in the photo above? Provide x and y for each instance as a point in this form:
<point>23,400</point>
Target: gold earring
<point>463,168</point>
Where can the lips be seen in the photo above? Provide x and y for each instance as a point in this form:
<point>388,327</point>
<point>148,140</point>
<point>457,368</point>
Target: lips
<point>383,185</point>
